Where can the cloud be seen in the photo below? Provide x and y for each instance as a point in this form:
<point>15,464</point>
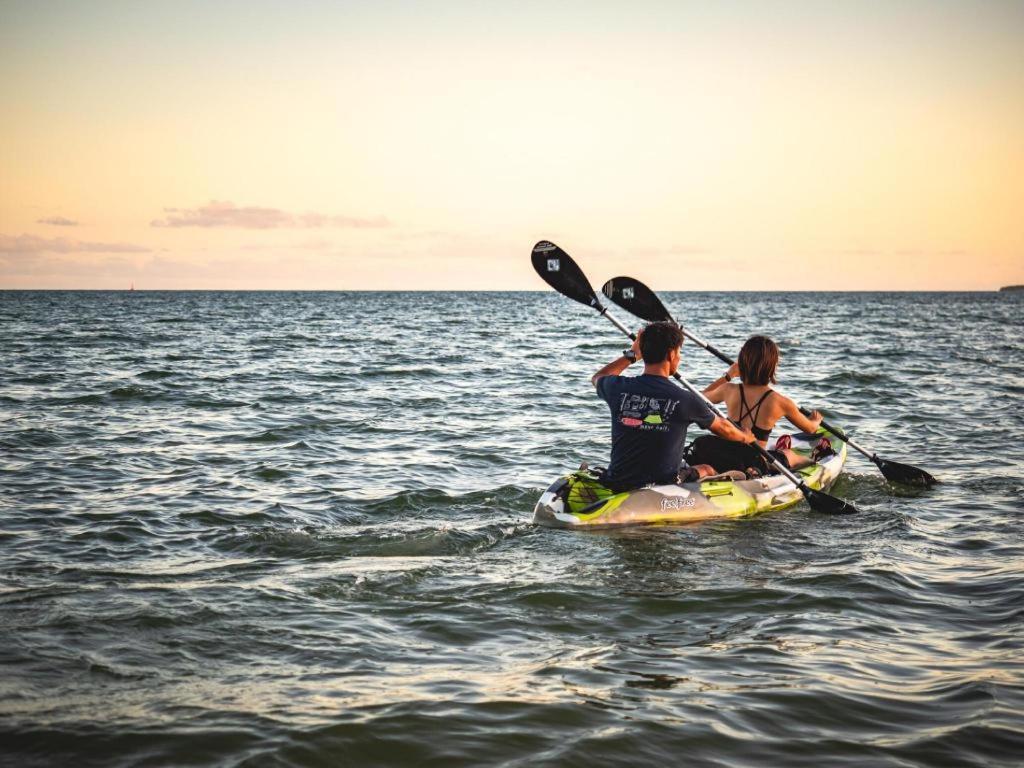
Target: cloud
<point>11,245</point>
<point>58,221</point>
<point>226,214</point>
<point>306,245</point>
<point>314,220</point>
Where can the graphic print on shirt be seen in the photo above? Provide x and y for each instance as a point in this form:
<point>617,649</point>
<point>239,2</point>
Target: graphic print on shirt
<point>644,412</point>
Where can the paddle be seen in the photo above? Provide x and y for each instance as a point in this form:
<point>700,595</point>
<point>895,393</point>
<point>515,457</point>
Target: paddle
<point>633,296</point>
<point>558,270</point>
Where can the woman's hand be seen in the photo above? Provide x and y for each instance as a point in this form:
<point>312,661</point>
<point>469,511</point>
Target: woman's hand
<point>734,371</point>
<point>816,417</point>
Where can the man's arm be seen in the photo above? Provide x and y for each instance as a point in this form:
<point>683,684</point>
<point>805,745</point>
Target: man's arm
<point>726,429</point>
<point>615,367</point>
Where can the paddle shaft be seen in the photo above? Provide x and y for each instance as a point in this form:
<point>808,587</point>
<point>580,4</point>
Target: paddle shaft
<point>805,411</point>
<point>782,469</point>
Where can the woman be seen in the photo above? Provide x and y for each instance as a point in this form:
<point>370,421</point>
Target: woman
<point>754,406</point>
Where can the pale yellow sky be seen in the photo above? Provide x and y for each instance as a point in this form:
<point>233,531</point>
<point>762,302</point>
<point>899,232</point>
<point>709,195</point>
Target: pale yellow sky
<point>429,145</point>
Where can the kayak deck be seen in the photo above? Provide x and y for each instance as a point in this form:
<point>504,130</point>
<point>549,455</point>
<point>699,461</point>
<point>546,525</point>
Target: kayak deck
<point>692,502</point>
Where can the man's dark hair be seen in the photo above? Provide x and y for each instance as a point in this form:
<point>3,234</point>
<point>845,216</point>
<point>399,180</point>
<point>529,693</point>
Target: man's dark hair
<point>657,339</point>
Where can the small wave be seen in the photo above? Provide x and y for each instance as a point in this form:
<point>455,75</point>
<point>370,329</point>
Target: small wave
<point>132,392</point>
<point>41,378</point>
<point>331,377</point>
<point>155,375</point>
<point>587,346</point>
<point>271,473</point>
<point>108,669</point>
<point>378,541</point>
<point>449,541</point>
<point>32,437</point>
<point>397,372</point>
<point>427,498</point>
<point>93,399</point>
<point>216,517</point>
<point>856,377</point>
<point>87,339</point>
<point>213,404</point>
<point>408,501</point>
<point>268,436</point>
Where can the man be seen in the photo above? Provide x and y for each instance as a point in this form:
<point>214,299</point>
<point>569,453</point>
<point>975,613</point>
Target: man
<point>650,414</point>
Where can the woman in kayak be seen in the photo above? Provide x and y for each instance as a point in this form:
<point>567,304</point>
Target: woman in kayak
<point>753,405</point>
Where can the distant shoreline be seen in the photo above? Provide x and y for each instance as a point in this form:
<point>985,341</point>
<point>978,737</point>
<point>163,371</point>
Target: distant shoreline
<point>1005,289</point>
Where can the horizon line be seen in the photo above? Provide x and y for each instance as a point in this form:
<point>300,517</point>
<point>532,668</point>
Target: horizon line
<point>481,290</point>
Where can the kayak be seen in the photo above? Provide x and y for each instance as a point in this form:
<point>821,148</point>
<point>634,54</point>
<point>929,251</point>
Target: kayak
<point>579,500</point>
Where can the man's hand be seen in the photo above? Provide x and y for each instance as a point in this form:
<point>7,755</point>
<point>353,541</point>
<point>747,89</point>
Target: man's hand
<point>725,428</point>
<point>615,367</point>
<point>636,345</point>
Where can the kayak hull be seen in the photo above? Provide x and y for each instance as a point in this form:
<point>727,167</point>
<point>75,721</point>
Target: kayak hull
<point>692,502</point>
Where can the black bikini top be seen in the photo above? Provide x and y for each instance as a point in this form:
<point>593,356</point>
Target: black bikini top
<point>745,410</point>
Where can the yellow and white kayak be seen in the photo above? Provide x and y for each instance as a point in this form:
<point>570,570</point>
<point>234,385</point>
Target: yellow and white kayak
<point>578,500</point>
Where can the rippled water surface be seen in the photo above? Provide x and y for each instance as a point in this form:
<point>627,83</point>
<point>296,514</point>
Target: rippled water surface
<point>294,529</point>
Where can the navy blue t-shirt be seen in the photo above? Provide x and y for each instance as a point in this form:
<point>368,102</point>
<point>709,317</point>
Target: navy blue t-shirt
<point>650,415</point>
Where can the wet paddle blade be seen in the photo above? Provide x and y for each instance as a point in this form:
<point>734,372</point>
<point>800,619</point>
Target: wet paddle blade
<point>633,296</point>
<point>895,472</point>
<point>830,505</point>
<point>557,269</point>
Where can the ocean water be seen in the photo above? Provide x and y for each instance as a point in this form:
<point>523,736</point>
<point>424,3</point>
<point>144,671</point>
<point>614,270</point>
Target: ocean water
<point>294,529</point>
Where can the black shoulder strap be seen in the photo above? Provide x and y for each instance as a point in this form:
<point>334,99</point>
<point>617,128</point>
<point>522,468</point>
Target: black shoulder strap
<point>744,408</point>
<point>752,412</point>
<point>756,411</point>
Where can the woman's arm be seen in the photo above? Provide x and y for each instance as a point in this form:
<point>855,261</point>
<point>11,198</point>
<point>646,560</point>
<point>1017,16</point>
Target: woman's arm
<point>715,391</point>
<point>792,412</point>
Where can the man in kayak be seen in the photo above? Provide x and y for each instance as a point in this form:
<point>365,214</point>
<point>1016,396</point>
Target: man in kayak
<point>650,414</point>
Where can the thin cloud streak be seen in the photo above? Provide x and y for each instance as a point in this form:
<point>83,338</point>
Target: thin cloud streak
<point>58,221</point>
<point>219,213</point>
<point>320,246</point>
<point>11,245</point>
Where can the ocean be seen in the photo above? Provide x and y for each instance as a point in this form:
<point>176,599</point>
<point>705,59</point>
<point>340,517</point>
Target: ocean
<point>294,529</point>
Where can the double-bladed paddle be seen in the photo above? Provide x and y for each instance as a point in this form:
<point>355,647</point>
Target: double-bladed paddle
<point>557,269</point>
<point>635,297</point>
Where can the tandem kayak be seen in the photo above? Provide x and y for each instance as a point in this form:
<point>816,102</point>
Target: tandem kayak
<point>578,500</point>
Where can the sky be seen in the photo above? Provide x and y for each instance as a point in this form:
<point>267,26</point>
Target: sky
<point>428,145</point>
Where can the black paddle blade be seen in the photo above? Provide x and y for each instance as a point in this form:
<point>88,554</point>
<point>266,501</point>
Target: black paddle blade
<point>558,270</point>
<point>895,472</point>
<point>633,296</point>
<point>830,505</point>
